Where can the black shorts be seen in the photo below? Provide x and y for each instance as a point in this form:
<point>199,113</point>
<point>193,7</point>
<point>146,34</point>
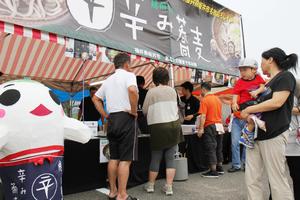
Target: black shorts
<point>213,145</point>
<point>122,136</point>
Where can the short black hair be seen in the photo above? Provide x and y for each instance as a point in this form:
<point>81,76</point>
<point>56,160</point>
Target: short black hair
<point>140,80</point>
<point>92,88</point>
<point>206,86</point>
<point>188,86</point>
<point>120,59</point>
<point>160,76</point>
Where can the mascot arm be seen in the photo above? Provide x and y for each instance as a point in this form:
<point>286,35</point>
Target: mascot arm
<point>3,136</point>
<point>76,130</point>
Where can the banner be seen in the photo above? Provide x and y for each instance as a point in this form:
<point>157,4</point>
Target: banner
<point>205,35</point>
<point>232,81</point>
<point>75,48</point>
<point>218,78</point>
<point>104,150</point>
<point>193,33</point>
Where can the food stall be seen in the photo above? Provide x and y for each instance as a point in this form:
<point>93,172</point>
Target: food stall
<point>64,45</point>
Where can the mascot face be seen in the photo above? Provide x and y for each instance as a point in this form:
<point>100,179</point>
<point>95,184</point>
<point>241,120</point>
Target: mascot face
<point>31,113</point>
<point>29,101</point>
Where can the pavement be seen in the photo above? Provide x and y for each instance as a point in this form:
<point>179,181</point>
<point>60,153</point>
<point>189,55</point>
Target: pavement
<point>230,186</point>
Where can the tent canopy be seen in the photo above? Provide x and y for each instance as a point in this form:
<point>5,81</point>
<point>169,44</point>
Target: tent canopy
<point>67,96</point>
<point>46,62</point>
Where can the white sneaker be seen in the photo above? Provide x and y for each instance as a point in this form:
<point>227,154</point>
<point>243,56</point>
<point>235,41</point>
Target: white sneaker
<point>149,187</point>
<point>168,189</point>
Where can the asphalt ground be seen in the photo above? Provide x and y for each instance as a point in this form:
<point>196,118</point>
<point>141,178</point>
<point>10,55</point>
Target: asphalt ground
<point>230,186</point>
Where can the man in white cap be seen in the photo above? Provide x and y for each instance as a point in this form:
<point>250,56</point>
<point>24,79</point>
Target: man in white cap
<point>245,92</point>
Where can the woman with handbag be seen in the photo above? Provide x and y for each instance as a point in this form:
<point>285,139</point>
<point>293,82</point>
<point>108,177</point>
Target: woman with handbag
<point>161,108</point>
<point>268,155</point>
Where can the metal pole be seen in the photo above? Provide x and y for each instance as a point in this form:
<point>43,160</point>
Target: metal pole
<point>242,26</point>
<point>84,56</point>
<point>70,108</point>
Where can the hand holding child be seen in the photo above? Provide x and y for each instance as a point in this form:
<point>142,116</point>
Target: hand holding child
<point>235,107</point>
<point>254,93</point>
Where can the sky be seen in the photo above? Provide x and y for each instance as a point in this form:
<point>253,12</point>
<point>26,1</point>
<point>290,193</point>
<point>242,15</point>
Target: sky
<point>267,24</point>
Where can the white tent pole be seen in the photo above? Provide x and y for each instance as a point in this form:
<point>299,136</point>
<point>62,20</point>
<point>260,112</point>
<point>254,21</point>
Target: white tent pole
<point>82,106</point>
<point>84,57</point>
<point>171,73</point>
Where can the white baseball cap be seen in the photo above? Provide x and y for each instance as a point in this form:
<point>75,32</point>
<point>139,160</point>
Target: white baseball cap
<point>248,62</point>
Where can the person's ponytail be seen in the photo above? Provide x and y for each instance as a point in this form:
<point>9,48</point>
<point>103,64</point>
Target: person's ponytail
<point>284,62</point>
<point>290,62</point>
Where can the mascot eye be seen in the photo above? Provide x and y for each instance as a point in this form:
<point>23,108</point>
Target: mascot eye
<point>10,97</point>
<point>54,97</point>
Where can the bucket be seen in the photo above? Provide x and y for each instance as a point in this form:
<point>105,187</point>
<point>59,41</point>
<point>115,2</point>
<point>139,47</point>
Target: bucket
<point>181,167</point>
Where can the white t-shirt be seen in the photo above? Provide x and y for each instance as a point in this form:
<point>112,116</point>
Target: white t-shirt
<point>115,91</point>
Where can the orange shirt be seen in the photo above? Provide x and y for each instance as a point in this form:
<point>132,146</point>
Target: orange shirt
<point>211,106</point>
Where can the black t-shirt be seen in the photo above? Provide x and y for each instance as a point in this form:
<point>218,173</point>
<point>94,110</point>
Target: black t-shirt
<point>90,112</point>
<point>192,106</point>
<point>142,95</point>
<point>142,119</point>
<point>277,121</point>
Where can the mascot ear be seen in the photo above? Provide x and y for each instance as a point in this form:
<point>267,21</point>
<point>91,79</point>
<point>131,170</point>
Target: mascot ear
<point>3,136</point>
<point>76,130</point>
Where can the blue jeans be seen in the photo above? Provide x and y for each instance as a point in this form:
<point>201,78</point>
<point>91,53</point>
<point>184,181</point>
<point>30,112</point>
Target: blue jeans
<point>236,130</point>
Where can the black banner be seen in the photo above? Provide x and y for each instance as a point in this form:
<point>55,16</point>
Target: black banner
<point>198,34</point>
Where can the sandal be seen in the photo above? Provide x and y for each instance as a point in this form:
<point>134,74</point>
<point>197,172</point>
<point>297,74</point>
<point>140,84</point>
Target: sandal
<point>131,198</point>
<point>112,198</point>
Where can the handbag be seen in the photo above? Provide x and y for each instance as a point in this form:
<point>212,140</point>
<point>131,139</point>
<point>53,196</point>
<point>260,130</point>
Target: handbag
<point>181,108</point>
<point>297,101</point>
<point>298,131</point>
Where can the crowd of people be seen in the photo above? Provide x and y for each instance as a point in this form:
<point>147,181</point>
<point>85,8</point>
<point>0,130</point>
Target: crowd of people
<point>264,122</point>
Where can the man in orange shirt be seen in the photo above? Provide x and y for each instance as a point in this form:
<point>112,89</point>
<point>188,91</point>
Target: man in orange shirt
<point>209,127</point>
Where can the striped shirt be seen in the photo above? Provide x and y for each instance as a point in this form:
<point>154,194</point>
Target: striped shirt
<point>160,105</point>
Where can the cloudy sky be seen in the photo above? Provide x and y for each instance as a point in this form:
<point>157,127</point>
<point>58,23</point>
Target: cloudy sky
<point>267,24</point>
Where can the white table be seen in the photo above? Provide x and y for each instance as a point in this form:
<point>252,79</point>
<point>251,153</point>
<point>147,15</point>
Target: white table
<point>188,129</point>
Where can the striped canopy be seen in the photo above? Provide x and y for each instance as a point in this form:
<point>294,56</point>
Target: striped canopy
<point>41,56</point>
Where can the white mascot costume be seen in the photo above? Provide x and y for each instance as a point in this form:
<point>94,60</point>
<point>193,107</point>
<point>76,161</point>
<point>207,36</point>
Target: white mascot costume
<point>33,127</point>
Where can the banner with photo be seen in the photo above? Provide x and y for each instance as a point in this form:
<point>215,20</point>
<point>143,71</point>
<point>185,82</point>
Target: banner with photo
<point>196,76</point>
<point>75,48</point>
<point>198,34</point>
<point>218,78</point>
<point>104,150</point>
<point>108,54</point>
<point>232,81</point>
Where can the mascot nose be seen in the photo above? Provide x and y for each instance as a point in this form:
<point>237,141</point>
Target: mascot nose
<point>41,110</point>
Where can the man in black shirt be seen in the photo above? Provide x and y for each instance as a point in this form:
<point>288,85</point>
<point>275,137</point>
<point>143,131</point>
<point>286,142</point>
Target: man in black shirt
<point>142,92</point>
<point>192,104</point>
<point>192,146</point>
<point>87,108</point>
<point>142,120</point>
